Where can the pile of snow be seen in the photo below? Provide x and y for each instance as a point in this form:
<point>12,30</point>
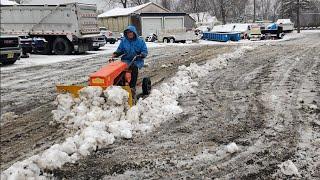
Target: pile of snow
<point>98,117</point>
<point>232,148</point>
<point>288,168</point>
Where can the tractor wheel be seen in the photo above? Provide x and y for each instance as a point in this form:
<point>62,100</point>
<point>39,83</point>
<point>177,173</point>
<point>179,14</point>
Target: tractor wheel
<point>146,86</point>
<point>62,46</point>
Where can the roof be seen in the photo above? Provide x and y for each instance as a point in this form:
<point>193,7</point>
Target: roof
<point>7,2</point>
<point>163,14</point>
<point>126,11</point>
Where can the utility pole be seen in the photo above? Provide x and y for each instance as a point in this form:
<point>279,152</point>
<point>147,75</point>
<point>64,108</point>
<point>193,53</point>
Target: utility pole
<point>254,11</point>
<point>298,16</point>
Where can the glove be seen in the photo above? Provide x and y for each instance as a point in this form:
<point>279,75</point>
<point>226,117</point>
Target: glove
<point>140,56</point>
<point>112,57</point>
<point>111,60</point>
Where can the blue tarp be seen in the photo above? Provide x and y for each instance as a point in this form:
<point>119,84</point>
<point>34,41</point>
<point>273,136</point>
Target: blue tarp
<point>272,26</point>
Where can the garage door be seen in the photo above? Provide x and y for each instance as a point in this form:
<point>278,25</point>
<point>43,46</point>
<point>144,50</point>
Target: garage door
<point>173,23</point>
<point>151,25</point>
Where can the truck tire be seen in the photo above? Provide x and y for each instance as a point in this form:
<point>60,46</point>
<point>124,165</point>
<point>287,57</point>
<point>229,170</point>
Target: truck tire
<point>165,40</point>
<point>7,62</point>
<point>172,40</point>
<point>62,46</point>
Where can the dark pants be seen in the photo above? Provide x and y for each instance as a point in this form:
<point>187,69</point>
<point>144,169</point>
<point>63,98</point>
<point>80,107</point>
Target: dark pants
<point>134,76</point>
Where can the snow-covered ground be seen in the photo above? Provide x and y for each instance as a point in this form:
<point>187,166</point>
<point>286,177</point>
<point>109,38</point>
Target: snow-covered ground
<point>35,59</point>
<point>223,126</point>
<point>287,37</point>
<point>95,121</point>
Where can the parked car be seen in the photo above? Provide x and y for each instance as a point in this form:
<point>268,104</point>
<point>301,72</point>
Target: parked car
<point>109,37</point>
<point>39,44</point>
<point>26,46</point>
<point>151,38</point>
<point>98,42</point>
<point>254,33</point>
<point>201,29</point>
<point>10,49</point>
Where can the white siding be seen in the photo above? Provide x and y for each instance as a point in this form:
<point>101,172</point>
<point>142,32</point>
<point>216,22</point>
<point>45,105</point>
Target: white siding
<point>173,23</point>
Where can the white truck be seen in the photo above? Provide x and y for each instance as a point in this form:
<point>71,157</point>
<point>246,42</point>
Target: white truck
<point>67,28</point>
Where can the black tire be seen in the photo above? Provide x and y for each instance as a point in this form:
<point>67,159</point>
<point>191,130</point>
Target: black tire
<point>112,42</point>
<point>62,46</point>
<point>146,86</point>
<point>8,62</point>
<point>165,40</point>
<point>172,40</point>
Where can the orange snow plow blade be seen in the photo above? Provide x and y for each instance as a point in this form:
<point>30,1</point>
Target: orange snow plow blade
<point>74,91</point>
<point>104,78</point>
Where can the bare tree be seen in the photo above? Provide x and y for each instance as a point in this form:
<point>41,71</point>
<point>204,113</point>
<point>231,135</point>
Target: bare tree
<point>139,2</point>
<point>124,3</point>
<point>166,4</point>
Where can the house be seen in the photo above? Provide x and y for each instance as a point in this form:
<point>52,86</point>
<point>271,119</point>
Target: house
<point>205,19</point>
<point>148,18</point>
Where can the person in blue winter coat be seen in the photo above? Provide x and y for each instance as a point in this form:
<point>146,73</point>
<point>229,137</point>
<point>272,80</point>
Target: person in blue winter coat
<point>131,46</point>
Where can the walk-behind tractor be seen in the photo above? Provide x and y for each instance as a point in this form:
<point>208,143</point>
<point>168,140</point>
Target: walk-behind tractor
<point>116,73</point>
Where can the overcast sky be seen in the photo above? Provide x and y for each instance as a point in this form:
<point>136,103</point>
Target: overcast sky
<point>101,4</point>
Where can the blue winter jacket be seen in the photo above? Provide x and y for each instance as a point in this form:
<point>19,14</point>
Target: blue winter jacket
<point>130,48</point>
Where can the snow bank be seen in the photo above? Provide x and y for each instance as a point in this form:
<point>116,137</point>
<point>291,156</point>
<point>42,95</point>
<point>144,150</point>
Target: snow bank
<point>97,117</point>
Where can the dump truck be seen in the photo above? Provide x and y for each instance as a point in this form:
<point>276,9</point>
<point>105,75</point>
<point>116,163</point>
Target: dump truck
<point>67,28</point>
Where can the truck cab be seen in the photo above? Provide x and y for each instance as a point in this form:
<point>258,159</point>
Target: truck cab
<point>10,49</point>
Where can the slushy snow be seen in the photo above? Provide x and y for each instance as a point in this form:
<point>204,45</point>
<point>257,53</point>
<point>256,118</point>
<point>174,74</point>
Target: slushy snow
<point>288,168</point>
<point>98,117</point>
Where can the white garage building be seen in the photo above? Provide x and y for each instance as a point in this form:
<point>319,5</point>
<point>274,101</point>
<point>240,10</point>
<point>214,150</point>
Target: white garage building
<point>148,18</point>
